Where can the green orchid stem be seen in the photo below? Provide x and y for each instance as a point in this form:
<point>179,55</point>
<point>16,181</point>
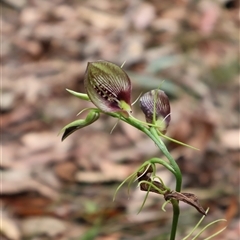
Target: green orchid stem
<point>162,162</point>
<point>176,213</point>
<point>177,173</point>
<point>152,133</point>
<point>158,141</point>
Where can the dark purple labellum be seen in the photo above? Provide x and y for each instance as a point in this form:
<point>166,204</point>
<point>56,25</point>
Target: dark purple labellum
<point>156,107</point>
<point>108,87</point>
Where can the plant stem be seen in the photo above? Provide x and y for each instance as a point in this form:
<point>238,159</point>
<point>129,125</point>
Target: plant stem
<point>178,176</point>
<point>152,133</point>
<point>158,141</point>
<point>176,213</point>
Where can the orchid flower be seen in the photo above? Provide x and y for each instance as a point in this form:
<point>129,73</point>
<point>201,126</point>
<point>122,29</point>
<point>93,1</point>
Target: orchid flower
<point>108,87</point>
<point>156,107</point>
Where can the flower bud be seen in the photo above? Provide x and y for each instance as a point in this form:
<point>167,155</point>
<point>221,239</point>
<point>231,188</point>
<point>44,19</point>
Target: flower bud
<point>92,116</point>
<point>156,107</point>
<point>108,87</point>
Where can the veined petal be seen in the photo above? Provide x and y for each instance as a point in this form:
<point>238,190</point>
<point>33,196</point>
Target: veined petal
<point>156,107</point>
<point>108,87</point>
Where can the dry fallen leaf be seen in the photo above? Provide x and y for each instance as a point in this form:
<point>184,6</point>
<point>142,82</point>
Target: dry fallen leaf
<point>9,228</point>
<point>20,180</point>
<point>109,172</point>
<point>39,141</point>
<point>48,226</point>
<point>143,9</point>
<point>230,139</point>
<point>101,20</point>
<point>66,171</point>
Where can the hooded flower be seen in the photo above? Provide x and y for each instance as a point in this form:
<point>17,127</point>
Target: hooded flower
<point>108,87</point>
<point>156,107</point>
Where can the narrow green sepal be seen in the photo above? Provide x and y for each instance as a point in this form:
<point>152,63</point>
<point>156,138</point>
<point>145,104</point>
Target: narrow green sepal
<point>92,116</point>
<point>82,96</point>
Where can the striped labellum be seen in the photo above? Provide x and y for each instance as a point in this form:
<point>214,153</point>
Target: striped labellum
<point>108,87</point>
<point>156,107</point>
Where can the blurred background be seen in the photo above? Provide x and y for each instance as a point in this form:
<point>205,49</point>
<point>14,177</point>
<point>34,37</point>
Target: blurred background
<point>64,190</point>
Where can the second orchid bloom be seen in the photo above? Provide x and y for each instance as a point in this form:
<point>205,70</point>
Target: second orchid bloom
<point>156,107</point>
